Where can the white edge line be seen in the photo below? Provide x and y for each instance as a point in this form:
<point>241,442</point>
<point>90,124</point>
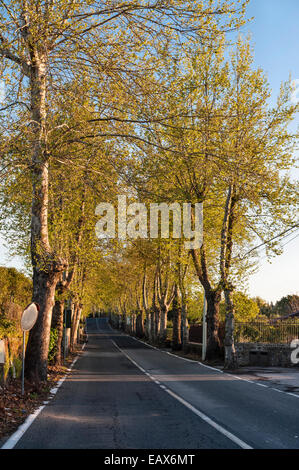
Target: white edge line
<point>16,436</point>
<point>212,423</point>
<point>188,405</point>
<point>167,352</point>
<point>13,440</point>
<point>204,365</point>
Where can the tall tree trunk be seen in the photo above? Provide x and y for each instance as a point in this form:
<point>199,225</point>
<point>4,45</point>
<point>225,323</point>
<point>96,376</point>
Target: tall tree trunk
<point>46,269</point>
<point>213,342</point>
<point>133,324</point>
<point>155,313</point>
<point>148,324</point>
<point>157,321</point>
<point>57,323</point>
<point>184,321</point>
<point>163,324</point>
<point>213,297</point>
<point>176,332</point>
<point>145,303</point>
<point>75,324</point>
<point>152,324</point>
<point>36,364</point>
<point>139,324</point>
<point>185,326</point>
<point>230,360</point>
<point>123,321</point>
<point>155,316</point>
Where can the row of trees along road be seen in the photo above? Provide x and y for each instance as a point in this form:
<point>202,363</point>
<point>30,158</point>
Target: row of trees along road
<point>151,100</point>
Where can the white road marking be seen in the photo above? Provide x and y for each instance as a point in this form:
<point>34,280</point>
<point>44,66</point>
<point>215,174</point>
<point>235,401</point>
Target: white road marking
<point>205,365</point>
<point>16,436</point>
<point>13,440</point>
<point>242,378</point>
<point>212,423</point>
<point>188,405</point>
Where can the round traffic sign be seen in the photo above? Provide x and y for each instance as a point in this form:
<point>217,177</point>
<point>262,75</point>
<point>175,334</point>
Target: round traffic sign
<point>29,316</point>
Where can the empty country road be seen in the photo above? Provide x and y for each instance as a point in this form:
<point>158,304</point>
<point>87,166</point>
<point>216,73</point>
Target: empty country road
<point>123,394</point>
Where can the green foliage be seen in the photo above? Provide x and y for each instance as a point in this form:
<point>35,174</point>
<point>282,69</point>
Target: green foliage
<point>11,331</point>
<point>284,306</point>
<point>15,294</point>
<point>263,332</point>
<point>7,327</point>
<point>287,305</point>
<point>17,362</point>
<point>195,308</point>
<point>14,287</point>
<point>246,308</point>
<point>211,133</point>
<point>52,344</point>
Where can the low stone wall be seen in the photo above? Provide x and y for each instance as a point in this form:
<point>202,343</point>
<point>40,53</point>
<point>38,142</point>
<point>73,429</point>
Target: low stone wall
<point>192,348</point>
<point>262,354</point>
<point>255,354</point>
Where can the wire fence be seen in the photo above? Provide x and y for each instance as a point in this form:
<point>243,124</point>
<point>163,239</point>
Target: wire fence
<point>273,332</point>
<point>260,332</point>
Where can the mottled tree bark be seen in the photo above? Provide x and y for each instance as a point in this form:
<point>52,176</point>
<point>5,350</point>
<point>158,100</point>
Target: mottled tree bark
<point>46,266</point>
<point>213,297</point>
<point>145,303</point>
<point>75,324</point>
<point>57,323</point>
<point>185,326</point>
<point>177,319</point>
<point>230,361</point>
<point>229,345</point>
<point>213,343</point>
<point>139,324</point>
<point>163,324</point>
<point>36,365</point>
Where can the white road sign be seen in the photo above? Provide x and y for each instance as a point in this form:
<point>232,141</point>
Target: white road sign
<point>29,316</point>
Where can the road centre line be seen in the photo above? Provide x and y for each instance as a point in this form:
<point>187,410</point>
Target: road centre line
<point>188,405</point>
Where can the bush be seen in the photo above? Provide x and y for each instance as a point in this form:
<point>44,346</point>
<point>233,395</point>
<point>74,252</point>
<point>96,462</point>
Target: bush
<point>53,344</point>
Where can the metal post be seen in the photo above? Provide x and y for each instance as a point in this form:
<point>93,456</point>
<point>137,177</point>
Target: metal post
<point>23,362</point>
<point>204,330</point>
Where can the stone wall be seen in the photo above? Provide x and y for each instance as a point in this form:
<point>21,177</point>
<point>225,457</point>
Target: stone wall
<point>192,348</point>
<point>261,354</point>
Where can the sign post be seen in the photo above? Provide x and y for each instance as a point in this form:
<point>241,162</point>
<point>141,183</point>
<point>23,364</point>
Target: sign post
<point>23,361</point>
<point>28,320</point>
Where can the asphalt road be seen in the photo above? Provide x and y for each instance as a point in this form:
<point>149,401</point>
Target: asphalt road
<point>123,394</point>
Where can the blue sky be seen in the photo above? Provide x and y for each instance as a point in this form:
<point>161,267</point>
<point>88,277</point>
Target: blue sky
<point>275,36</point>
<point>275,32</point>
